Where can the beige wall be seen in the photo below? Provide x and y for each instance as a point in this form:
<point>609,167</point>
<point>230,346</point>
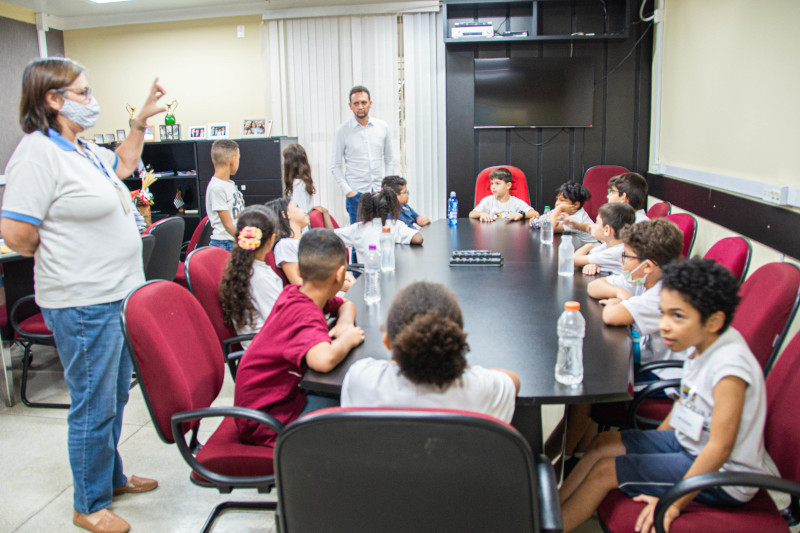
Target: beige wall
<point>17,13</point>
<point>215,76</point>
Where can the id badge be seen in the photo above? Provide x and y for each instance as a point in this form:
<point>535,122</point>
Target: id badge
<point>687,421</point>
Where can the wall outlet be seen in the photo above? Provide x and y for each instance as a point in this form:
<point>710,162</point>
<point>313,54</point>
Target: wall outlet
<point>240,31</point>
<point>775,194</point>
<point>243,187</point>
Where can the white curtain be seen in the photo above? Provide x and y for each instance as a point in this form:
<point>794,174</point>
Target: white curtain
<point>310,65</point>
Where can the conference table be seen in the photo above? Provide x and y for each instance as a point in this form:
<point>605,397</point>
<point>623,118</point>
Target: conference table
<point>510,315</point>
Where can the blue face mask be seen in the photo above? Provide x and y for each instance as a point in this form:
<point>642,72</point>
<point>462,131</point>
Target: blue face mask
<point>628,275</point>
<point>84,116</point>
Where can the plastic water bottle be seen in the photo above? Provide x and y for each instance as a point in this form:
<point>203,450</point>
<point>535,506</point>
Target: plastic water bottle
<point>387,250</point>
<point>547,226</point>
<point>566,256</point>
<point>571,329</point>
<point>452,209</point>
<point>636,345</point>
<point>372,273</point>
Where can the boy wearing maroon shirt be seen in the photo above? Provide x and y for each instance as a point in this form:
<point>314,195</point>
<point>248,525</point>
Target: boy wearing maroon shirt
<point>296,337</point>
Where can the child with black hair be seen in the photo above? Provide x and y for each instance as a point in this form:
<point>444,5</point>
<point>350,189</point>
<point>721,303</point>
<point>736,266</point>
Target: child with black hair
<point>408,216</point>
<point>605,257</point>
<point>295,337</point>
<point>716,425</point>
<point>249,287</point>
<point>291,221</point>
<point>298,184</point>
<point>424,332</point>
<point>377,210</point>
<point>569,213</point>
<point>500,204</point>
<point>629,188</point>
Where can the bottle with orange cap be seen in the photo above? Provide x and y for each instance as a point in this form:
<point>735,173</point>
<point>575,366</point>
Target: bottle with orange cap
<point>571,330</point>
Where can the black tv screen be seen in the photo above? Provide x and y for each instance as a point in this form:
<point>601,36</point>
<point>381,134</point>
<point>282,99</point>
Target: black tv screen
<point>534,92</point>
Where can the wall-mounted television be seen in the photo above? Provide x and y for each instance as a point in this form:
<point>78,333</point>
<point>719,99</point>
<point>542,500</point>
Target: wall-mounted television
<point>534,92</point>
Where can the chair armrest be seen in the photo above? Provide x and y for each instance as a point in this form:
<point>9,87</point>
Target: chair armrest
<point>230,341</point>
<point>356,267</point>
<point>655,365</point>
<point>717,479</point>
<point>549,505</point>
<point>652,388</point>
<point>179,419</point>
<point>28,302</point>
<point>232,360</point>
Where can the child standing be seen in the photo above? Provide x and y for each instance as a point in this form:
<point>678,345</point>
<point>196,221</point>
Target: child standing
<point>501,204</point>
<point>249,287</point>
<point>717,424</point>
<point>569,213</point>
<point>408,216</point>
<point>629,188</point>
<point>424,332</point>
<point>376,210</point>
<point>605,257</point>
<point>224,201</point>
<point>296,337</point>
<point>291,221</point>
<point>297,182</point>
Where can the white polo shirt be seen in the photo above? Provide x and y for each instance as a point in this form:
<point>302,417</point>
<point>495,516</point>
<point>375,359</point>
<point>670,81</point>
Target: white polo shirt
<point>361,234</point>
<point>90,251</point>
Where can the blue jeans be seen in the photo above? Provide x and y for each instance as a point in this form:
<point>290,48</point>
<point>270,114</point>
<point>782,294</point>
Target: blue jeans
<point>315,402</point>
<point>225,245</point>
<point>97,369</point>
<point>351,204</point>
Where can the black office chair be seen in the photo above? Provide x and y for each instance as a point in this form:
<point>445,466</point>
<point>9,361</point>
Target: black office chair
<point>167,251</point>
<point>148,244</point>
<point>421,470</point>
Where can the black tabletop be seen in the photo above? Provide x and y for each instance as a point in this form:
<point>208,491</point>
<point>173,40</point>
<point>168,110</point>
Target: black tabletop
<point>510,312</point>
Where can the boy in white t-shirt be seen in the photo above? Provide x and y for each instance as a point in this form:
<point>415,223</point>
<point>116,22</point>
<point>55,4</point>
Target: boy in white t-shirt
<point>224,201</point>
<point>605,257</point>
<point>629,188</point>
<point>569,215</point>
<point>717,424</point>
<point>501,204</point>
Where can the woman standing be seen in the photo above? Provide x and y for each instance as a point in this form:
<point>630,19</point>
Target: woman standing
<point>65,205</point>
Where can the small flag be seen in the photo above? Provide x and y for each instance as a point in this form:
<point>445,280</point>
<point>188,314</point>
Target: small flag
<point>178,201</point>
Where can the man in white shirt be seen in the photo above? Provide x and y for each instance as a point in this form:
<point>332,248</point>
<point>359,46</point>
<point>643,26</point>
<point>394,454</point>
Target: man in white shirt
<point>364,144</point>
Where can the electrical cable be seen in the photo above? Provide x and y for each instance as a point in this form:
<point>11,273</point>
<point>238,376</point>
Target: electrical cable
<point>641,13</point>
<point>523,139</point>
<point>639,40</point>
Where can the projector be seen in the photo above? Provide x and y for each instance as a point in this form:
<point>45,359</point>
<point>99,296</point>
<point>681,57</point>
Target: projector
<point>475,28</point>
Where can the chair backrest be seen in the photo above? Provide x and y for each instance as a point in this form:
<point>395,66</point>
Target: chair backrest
<point>688,226</point>
<point>317,221</point>
<point>204,269</point>
<point>596,180</point>
<point>148,243</point>
<point>659,209</point>
<point>781,433</point>
<point>176,356</point>
<point>270,260</point>
<point>769,299</point>
<point>519,185</point>
<point>408,470</point>
<point>167,251</point>
<point>204,226</point>
<point>733,253</point>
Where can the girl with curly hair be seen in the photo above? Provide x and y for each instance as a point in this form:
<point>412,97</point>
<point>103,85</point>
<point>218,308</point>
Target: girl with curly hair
<point>424,332</point>
<point>249,287</point>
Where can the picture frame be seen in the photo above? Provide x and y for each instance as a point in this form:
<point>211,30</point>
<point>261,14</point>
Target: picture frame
<point>110,138</point>
<point>218,130</point>
<point>162,132</point>
<point>98,138</point>
<point>254,127</point>
<point>120,135</point>
<point>149,133</point>
<point>197,132</point>
<point>176,132</point>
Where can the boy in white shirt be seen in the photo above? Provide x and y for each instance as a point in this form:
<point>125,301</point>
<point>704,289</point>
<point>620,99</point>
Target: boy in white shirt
<point>224,201</point>
<point>629,188</point>
<point>568,213</point>
<point>501,204</point>
<point>605,257</point>
<point>717,424</point>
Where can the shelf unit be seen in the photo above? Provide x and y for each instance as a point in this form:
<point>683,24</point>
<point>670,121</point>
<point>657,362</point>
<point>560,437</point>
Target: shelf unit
<point>544,20</point>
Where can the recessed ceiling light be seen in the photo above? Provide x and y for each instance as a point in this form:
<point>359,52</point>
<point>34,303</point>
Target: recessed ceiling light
<point>108,1</point>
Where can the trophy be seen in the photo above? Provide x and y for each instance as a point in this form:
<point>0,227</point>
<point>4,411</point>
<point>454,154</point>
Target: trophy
<point>131,111</point>
<point>169,119</point>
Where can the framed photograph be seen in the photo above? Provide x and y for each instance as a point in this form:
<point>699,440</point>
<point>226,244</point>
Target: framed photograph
<point>120,135</point>
<point>218,130</point>
<point>254,126</point>
<point>110,138</point>
<point>98,138</point>
<point>176,132</point>
<point>162,132</point>
<point>197,132</point>
<point>149,133</point>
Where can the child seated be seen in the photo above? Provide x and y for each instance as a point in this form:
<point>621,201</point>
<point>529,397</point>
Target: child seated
<point>501,204</point>
<point>428,366</point>
<point>408,216</point>
<point>605,257</point>
<point>224,201</point>
<point>569,214</point>
<point>249,287</point>
<point>295,337</point>
<point>629,188</point>
<point>291,221</point>
<point>376,210</point>
<point>717,424</point>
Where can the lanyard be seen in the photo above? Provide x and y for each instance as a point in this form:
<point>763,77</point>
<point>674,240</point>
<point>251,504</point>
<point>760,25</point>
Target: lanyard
<point>124,196</point>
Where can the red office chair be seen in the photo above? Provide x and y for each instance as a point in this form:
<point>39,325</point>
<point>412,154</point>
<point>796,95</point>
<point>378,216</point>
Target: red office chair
<point>270,260</point>
<point>596,180</point>
<point>659,210</point>
<point>519,185</point>
<point>782,440</point>
<point>688,226</point>
<point>733,253</point>
<point>204,270</point>
<point>317,221</point>
<point>418,470</point>
<point>167,251</point>
<point>178,359</point>
<point>201,236</point>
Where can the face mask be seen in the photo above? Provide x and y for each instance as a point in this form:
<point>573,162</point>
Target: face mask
<point>628,275</point>
<point>84,116</point>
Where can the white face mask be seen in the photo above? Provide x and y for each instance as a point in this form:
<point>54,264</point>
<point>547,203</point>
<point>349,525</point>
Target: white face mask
<point>628,275</point>
<point>84,116</point>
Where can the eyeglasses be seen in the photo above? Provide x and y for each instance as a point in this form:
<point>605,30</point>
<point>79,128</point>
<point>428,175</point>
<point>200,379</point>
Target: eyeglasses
<point>613,191</point>
<point>624,257</point>
<point>85,93</point>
